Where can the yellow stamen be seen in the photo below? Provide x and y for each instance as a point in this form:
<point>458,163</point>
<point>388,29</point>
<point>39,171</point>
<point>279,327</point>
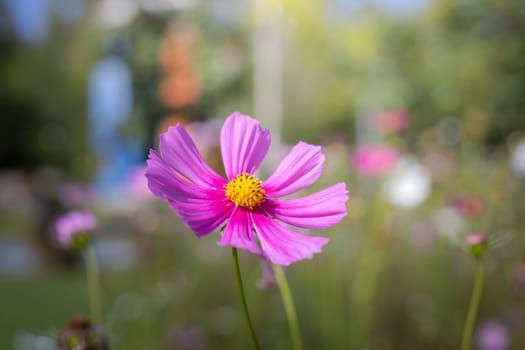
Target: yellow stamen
<point>245,191</point>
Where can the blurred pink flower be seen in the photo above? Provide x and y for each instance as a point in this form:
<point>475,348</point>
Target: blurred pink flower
<point>492,335</point>
<point>255,217</point>
<point>374,159</point>
<point>67,226</point>
<point>391,121</point>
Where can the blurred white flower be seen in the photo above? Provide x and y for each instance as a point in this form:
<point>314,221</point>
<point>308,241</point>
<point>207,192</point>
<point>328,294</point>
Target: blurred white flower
<point>517,158</point>
<point>408,185</point>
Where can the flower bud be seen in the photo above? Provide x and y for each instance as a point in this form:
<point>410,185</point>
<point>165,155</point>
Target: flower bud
<point>80,334</point>
<point>476,244</point>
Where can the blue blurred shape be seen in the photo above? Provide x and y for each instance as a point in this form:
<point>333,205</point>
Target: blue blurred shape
<point>110,102</point>
<point>110,98</point>
<point>30,19</point>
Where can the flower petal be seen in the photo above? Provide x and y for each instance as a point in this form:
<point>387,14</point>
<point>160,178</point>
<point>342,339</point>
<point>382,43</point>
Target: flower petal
<point>239,232</point>
<point>203,216</point>
<point>166,184</point>
<point>299,169</point>
<point>203,209</point>
<point>244,144</point>
<point>180,152</point>
<point>319,210</point>
<point>283,246</point>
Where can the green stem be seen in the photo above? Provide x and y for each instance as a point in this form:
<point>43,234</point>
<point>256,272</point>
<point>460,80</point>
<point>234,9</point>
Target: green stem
<point>466,344</point>
<point>93,282</point>
<point>289,307</point>
<point>242,297</point>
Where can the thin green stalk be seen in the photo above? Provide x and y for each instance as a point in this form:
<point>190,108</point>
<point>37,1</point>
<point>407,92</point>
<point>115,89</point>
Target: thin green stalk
<point>93,282</point>
<point>466,344</point>
<point>242,297</point>
<point>289,307</point>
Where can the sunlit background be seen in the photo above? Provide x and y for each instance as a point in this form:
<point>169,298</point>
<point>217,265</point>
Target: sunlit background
<point>419,106</point>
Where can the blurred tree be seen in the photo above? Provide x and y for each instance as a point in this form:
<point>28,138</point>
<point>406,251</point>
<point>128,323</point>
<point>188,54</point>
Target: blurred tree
<point>461,58</point>
<point>42,98</point>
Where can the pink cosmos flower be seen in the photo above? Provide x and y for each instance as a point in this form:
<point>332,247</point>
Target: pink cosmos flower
<point>374,159</point>
<point>256,220</point>
<point>71,224</point>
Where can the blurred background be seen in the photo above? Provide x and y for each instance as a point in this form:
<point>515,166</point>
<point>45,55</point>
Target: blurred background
<point>419,106</point>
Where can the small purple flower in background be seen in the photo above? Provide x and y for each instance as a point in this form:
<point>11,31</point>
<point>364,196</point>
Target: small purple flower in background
<point>374,159</point>
<point>72,229</point>
<point>256,220</point>
<point>492,335</point>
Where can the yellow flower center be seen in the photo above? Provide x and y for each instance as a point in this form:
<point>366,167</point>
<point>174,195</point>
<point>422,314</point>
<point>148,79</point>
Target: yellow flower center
<point>245,191</point>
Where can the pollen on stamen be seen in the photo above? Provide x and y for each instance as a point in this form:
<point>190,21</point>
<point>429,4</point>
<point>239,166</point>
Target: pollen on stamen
<point>245,191</point>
